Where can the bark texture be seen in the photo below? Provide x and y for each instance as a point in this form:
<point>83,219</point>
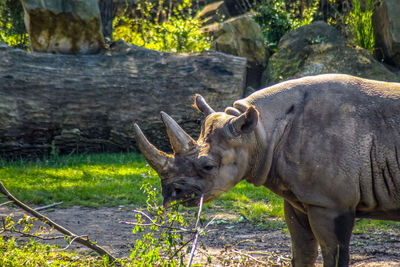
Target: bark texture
<point>386,23</point>
<point>88,103</point>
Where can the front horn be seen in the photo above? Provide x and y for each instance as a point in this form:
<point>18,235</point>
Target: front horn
<point>157,159</point>
<point>180,141</point>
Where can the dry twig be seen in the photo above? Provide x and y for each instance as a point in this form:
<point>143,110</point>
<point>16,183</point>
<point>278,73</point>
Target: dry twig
<point>250,257</point>
<point>48,206</point>
<point>5,203</point>
<point>197,232</point>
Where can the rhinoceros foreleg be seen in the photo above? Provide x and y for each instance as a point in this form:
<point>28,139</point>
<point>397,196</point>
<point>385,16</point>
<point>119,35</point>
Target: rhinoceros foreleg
<point>333,231</point>
<point>304,244</point>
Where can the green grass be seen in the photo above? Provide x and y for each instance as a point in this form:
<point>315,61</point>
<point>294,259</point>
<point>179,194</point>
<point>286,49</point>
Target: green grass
<point>254,202</point>
<point>87,180</point>
<point>375,226</point>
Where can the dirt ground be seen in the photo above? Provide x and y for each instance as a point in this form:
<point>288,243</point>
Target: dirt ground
<point>224,239</point>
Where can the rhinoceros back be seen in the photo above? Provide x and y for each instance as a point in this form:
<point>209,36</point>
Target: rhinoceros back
<point>343,134</point>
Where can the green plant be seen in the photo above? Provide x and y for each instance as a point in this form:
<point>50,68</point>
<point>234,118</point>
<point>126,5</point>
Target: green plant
<point>54,149</point>
<point>360,20</point>
<point>162,242</point>
<point>276,19</point>
<point>163,28</point>
<point>316,40</point>
<point>12,26</point>
<point>273,19</point>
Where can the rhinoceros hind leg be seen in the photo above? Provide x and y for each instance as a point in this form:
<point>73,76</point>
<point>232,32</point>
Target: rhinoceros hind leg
<point>304,244</point>
<point>333,231</point>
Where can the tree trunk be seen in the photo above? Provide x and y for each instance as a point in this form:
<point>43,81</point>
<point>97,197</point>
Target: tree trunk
<point>88,103</point>
<point>107,14</point>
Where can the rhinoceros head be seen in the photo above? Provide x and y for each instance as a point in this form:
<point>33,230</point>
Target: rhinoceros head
<point>213,164</point>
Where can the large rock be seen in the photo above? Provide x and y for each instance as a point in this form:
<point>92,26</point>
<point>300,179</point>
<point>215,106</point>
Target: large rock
<point>64,26</point>
<point>242,36</point>
<point>386,23</point>
<point>319,48</point>
<point>88,103</point>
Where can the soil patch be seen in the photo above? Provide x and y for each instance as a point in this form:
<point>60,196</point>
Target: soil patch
<point>224,239</point>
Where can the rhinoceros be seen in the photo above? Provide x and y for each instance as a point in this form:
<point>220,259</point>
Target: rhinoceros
<point>328,144</point>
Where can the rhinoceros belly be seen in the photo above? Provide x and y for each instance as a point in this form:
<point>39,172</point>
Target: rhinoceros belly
<point>380,184</point>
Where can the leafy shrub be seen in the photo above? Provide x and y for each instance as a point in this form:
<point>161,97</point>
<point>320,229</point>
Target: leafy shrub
<point>360,20</point>
<point>12,26</point>
<point>160,28</point>
<point>273,19</point>
<point>162,241</point>
<point>276,20</point>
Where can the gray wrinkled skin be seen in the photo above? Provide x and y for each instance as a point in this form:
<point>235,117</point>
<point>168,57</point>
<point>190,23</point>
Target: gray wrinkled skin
<point>328,144</point>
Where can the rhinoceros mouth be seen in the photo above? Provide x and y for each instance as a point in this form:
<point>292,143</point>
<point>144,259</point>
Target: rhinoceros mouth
<point>185,193</point>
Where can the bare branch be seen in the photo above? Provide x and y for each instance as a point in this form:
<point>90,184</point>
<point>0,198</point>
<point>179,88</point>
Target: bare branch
<point>184,245</point>
<point>178,230</point>
<point>152,222</point>
<point>35,236</point>
<point>48,206</point>
<point>70,243</point>
<point>83,241</point>
<point>197,232</point>
<point>5,203</point>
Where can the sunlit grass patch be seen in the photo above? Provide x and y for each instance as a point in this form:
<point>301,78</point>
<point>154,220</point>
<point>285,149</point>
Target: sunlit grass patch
<point>375,226</point>
<point>252,201</point>
<point>258,204</point>
<point>88,180</point>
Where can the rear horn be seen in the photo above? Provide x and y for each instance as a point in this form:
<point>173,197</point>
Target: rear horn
<point>180,141</point>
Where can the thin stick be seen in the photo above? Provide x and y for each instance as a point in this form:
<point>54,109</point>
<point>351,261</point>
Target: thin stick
<point>48,206</point>
<point>184,245</point>
<point>250,257</point>
<point>84,241</point>
<point>5,203</point>
<point>178,230</point>
<point>197,232</point>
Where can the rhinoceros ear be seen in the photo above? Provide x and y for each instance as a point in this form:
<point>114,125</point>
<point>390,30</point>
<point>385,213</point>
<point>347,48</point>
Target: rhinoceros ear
<point>201,105</point>
<point>245,123</point>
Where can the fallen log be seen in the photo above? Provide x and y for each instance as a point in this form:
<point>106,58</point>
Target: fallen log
<point>88,103</point>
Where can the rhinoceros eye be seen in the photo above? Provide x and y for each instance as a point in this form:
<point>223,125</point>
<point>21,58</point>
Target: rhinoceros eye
<point>206,164</point>
<point>208,167</point>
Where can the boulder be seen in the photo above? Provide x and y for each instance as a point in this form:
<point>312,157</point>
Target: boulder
<point>319,48</point>
<point>242,36</point>
<point>64,26</point>
<point>386,23</point>
<point>88,103</point>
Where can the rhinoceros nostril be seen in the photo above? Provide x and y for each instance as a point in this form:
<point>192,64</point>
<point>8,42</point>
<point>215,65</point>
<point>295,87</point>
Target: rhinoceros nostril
<point>177,192</point>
